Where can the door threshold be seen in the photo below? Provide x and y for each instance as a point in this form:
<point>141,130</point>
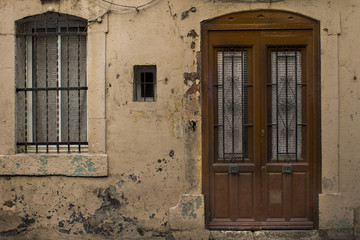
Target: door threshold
<point>266,234</point>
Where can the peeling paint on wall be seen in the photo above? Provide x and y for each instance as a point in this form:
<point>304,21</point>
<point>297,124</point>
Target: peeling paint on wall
<point>55,164</point>
<point>329,183</point>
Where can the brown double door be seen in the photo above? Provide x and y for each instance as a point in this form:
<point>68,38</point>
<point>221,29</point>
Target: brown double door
<point>260,130</point>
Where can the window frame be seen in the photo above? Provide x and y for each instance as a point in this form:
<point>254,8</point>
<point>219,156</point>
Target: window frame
<point>94,163</point>
<point>139,83</point>
<point>30,29</point>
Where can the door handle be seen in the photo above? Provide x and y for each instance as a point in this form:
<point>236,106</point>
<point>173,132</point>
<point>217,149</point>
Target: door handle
<point>263,168</point>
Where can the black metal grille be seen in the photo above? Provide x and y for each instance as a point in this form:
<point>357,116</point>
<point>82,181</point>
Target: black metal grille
<point>144,83</point>
<point>286,84</point>
<point>232,102</point>
<point>51,83</point>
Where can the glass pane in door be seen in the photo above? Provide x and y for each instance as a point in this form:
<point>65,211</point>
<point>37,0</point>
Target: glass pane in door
<point>286,104</point>
<point>232,102</point>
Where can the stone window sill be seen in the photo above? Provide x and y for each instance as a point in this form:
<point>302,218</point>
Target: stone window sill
<point>74,165</point>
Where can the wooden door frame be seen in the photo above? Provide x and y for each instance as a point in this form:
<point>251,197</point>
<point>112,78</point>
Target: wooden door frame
<point>260,20</point>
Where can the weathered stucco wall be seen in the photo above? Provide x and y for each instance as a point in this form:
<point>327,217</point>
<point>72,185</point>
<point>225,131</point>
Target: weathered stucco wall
<point>151,184</point>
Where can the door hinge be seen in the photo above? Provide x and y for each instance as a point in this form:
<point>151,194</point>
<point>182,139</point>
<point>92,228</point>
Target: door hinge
<point>262,132</point>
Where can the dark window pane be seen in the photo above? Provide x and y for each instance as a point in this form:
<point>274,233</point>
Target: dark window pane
<point>144,83</point>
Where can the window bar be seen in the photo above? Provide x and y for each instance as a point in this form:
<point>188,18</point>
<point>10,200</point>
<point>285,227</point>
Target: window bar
<point>296,108</point>
<point>58,84</point>
<point>223,102</point>
<point>154,84</point>
<point>142,85</point>
<point>68,84</point>
<point>137,85</point>
<point>78,53</point>
<point>36,95</point>
<point>286,105</point>
<point>141,76</point>
<point>29,83</point>
<point>232,104</point>
<point>277,106</point>
<point>242,102</point>
<point>36,89</point>
<point>144,79</point>
<point>50,143</point>
<point>26,48</point>
<point>47,85</point>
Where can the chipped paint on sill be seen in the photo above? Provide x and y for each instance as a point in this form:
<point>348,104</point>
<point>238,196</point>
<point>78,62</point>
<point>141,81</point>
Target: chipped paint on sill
<point>55,164</point>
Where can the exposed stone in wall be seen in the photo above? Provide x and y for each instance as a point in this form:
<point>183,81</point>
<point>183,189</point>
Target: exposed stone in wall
<point>11,224</point>
<point>192,79</point>
<point>185,14</point>
<point>328,184</point>
<point>70,217</point>
<point>193,118</point>
<point>188,214</point>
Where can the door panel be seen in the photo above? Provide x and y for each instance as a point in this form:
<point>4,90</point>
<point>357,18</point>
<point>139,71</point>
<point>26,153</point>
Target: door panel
<point>275,196</point>
<point>245,206</point>
<point>233,128</point>
<point>287,62</point>
<point>298,195</point>
<point>221,196</point>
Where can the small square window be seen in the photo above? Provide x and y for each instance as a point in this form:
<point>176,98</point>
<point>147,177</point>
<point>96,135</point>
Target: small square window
<point>144,83</point>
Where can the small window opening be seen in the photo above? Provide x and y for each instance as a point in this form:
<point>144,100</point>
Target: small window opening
<point>145,83</point>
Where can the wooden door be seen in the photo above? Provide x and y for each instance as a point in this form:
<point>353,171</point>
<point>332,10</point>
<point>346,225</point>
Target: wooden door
<point>261,142</point>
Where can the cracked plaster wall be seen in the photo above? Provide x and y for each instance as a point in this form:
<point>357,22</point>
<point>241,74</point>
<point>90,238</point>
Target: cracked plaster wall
<point>153,149</point>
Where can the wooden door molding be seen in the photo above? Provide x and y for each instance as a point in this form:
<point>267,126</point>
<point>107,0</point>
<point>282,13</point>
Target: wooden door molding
<point>260,20</point>
<point>245,26</point>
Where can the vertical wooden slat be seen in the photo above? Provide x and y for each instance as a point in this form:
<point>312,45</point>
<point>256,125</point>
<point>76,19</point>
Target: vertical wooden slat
<point>47,85</point>
<point>78,72</point>
<point>35,76</point>
<point>68,83</point>
<point>58,84</point>
<point>26,72</point>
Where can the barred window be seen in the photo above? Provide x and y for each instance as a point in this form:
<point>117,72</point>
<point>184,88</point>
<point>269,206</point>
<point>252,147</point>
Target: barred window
<point>51,84</point>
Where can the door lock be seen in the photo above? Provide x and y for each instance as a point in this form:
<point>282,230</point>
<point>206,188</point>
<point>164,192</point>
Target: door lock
<point>263,168</point>
<point>287,169</point>
<point>233,169</point>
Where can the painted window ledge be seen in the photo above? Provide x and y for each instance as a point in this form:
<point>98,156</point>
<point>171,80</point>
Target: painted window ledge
<point>76,165</point>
